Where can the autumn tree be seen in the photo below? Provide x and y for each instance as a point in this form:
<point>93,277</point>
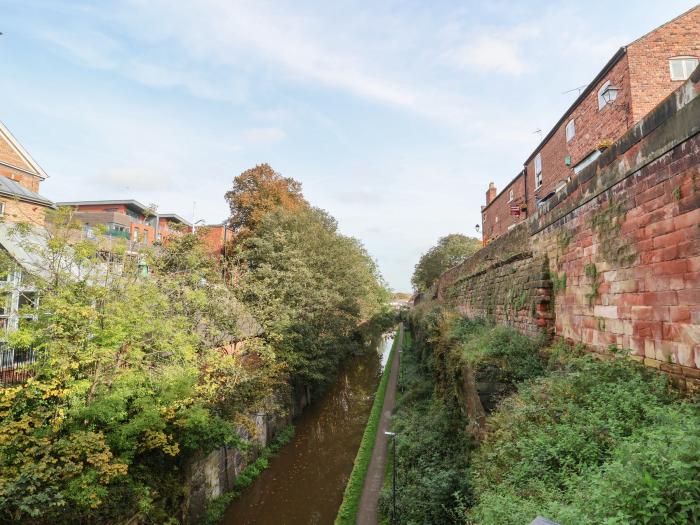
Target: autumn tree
<point>448,252</point>
<point>258,191</point>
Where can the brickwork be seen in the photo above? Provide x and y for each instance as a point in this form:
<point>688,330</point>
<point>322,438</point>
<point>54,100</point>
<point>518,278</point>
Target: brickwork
<point>25,212</point>
<point>497,218</point>
<point>641,72</point>
<point>613,261</point>
<point>648,58</point>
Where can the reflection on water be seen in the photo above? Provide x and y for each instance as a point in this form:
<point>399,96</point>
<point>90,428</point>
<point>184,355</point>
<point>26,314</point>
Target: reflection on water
<point>305,482</point>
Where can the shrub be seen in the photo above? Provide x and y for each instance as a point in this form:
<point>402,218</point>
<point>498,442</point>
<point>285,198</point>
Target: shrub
<point>589,442</point>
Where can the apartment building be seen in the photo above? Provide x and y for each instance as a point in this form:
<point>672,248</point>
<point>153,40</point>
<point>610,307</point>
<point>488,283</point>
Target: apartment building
<point>635,79</point>
<point>128,219</point>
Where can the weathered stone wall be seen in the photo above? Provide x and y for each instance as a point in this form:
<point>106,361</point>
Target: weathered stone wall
<point>613,261</point>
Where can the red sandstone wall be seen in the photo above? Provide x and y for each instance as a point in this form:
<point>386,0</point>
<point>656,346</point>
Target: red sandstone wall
<point>625,234</point>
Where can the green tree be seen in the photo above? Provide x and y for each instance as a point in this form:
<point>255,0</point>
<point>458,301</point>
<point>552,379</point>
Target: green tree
<point>129,380</point>
<point>448,252</point>
<point>310,287</point>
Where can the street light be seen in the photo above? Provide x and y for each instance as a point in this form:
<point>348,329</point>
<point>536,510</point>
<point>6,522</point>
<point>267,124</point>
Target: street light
<point>477,228</point>
<point>609,94</point>
<point>392,435</point>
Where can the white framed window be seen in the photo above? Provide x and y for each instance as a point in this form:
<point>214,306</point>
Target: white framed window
<point>496,219</point>
<point>682,67</point>
<point>538,170</point>
<point>601,100</point>
<point>136,235</point>
<point>2,208</point>
<point>510,195</point>
<point>570,130</point>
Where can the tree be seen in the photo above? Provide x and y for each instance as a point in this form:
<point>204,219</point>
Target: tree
<point>448,252</point>
<point>310,287</point>
<point>128,382</point>
<point>258,191</point>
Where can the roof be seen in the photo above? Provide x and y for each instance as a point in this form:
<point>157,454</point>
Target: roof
<point>27,246</point>
<point>174,217</point>
<point>14,189</point>
<point>614,60</point>
<point>39,172</point>
<point>130,203</point>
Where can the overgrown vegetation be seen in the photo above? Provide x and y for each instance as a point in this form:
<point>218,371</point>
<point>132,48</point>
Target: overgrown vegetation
<point>136,372</point>
<point>347,514</point>
<point>431,446</point>
<point>574,438</point>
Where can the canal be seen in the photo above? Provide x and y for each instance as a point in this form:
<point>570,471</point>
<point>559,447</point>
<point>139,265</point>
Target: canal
<point>305,481</point>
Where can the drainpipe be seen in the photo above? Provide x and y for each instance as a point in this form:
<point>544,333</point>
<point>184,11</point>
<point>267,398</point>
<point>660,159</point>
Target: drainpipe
<point>527,204</point>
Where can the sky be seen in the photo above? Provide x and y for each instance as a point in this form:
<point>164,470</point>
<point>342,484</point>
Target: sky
<point>394,115</point>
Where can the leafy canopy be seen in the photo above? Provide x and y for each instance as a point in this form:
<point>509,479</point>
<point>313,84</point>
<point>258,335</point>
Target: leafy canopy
<point>448,252</point>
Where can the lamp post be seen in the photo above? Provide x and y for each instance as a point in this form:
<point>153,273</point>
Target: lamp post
<point>609,94</point>
<point>392,435</point>
<point>477,228</point>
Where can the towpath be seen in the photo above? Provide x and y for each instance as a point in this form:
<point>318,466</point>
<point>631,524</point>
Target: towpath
<point>367,512</point>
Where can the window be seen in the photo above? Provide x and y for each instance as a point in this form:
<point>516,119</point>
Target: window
<point>27,300</point>
<point>510,195</point>
<point>496,219</point>
<point>682,67</point>
<point>5,298</point>
<point>2,208</point>
<point>538,170</point>
<point>570,130</point>
<point>601,100</point>
<point>136,234</point>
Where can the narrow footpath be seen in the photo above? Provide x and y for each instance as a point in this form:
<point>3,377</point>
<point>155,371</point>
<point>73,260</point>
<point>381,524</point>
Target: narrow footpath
<point>367,512</point>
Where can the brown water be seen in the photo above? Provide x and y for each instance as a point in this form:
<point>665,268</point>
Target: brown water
<point>305,482</point>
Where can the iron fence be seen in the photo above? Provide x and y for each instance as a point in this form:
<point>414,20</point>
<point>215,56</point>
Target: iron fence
<point>14,365</point>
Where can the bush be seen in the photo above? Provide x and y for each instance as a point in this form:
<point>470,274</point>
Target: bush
<point>432,450</point>
<point>590,444</point>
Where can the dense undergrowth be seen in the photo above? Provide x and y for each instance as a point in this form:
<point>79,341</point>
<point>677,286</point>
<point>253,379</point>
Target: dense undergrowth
<point>578,439</point>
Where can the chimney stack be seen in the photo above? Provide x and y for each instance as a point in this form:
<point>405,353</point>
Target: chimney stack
<point>491,193</point>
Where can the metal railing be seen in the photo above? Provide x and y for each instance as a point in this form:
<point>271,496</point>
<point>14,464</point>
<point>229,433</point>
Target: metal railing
<point>14,365</point>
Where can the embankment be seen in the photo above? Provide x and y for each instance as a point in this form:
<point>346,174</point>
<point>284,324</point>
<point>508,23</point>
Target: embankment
<point>612,260</point>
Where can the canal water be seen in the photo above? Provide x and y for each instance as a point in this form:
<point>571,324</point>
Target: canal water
<point>305,481</point>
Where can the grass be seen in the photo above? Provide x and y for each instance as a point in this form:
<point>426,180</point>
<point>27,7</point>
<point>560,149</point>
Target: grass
<point>347,514</point>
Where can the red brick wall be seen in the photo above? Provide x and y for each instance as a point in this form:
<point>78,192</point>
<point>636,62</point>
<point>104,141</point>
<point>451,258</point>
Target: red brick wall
<point>500,208</point>
<point>648,60</point>
<point>622,245</point>
<point>8,155</point>
<point>593,125</point>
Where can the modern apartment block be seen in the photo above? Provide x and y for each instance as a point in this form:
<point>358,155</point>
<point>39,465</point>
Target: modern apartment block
<point>128,219</point>
<point>637,78</point>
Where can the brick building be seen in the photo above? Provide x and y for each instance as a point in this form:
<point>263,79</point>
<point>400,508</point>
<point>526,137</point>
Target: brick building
<point>128,219</point>
<point>216,237</point>
<point>637,78</point>
<point>19,185</point>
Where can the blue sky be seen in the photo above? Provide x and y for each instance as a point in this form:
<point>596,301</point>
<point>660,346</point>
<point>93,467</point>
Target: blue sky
<point>394,115</point>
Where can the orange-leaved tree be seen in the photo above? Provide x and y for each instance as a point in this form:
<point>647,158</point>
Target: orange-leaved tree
<point>258,191</point>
